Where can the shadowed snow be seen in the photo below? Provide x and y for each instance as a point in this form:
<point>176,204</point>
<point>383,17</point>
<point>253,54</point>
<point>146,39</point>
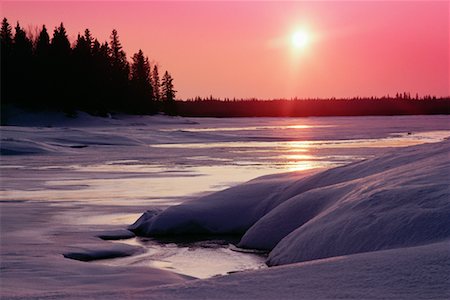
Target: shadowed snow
<point>399,199</point>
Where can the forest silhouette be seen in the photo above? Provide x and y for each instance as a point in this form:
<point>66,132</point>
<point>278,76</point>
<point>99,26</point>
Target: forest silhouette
<point>40,72</point>
<point>44,72</point>
<point>313,107</point>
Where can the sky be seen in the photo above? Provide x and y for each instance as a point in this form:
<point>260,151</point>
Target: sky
<point>247,49</point>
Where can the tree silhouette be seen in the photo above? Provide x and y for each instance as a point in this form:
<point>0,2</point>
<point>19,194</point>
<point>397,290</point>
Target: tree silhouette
<point>140,69</point>
<point>5,53</point>
<point>168,94</point>
<point>141,82</point>
<point>167,91</point>
<point>60,71</point>
<point>118,56</point>
<point>60,45</point>
<point>156,84</point>
<point>88,37</point>
<point>43,43</point>
<point>101,72</point>
<point>82,47</point>
<point>21,59</point>
<point>82,72</point>
<point>6,35</point>
<point>119,73</point>
<point>42,71</point>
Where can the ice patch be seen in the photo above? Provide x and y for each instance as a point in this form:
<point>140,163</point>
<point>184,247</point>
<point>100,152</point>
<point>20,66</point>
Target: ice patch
<point>119,234</point>
<point>89,252</point>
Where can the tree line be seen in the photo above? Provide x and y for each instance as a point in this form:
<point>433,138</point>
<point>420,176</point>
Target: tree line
<point>398,96</point>
<point>358,106</point>
<point>49,72</point>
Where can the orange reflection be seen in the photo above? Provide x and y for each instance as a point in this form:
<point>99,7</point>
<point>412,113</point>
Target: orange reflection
<point>303,165</point>
<point>297,157</point>
<point>298,126</point>
<point>299,162</point>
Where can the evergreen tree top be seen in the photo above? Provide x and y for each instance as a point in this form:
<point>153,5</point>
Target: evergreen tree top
<point>20,33</point>
<point>118,56</point>
<point>6,32</point>
<point>43,41</point>
<point>88,37</point>
<point>60,43</point>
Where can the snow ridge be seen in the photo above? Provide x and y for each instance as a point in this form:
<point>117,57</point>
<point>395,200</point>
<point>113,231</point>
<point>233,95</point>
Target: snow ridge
<point>400,199</point>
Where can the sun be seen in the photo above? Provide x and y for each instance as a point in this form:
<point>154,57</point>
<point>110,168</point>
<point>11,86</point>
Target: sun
<point>300,39</point>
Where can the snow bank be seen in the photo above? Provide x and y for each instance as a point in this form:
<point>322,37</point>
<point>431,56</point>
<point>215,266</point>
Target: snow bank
<point>406,205</point>
<point>400,199</point>
<point>232,211</point>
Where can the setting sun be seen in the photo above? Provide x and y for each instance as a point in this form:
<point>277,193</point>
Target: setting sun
<point>300,39</point>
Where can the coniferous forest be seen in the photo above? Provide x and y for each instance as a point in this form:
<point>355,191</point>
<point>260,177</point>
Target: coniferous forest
<point>46,71</point>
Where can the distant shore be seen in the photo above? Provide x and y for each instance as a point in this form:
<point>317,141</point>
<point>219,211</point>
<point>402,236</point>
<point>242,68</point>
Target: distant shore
<point>269,108</point>
<point>313,108</point>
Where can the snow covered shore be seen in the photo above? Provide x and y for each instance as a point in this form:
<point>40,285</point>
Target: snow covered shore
<point>400,199</point>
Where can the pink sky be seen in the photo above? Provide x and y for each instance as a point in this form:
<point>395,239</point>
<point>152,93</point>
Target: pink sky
<point>243,49</point>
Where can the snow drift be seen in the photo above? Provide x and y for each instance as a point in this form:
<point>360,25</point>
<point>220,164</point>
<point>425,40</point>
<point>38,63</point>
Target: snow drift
<point>399,199</point>
<point>231,211</point>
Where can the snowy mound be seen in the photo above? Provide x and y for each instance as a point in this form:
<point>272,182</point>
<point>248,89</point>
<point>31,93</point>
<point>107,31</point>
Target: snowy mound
<point>404,206</point>
<point>400,199</point>
<point>232,211</point>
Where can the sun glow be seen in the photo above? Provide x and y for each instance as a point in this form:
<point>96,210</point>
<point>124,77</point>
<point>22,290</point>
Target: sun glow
<point>300,39</point>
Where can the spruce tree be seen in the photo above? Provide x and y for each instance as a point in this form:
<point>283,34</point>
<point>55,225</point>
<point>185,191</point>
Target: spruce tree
<point>42,71</point>
<point>6,34</point>
<point>156,84</point>
<point>22,45</point>
<point>82,47</point>
<point>141,82</point>
<point>6,70</point>
<point>43,43</point>
<point>82,73</point>
<point>61,95</point>
<point>21,66</point>
<point>168,94</point>
<point>88,37</point>
<point>60,45</point>
<point>140,68</point>
<point>101,74</point>
<point>118,56</point>
<point>119,73</point>
<point>167,91</point>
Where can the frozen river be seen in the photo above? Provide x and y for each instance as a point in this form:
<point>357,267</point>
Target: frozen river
<point>65,181</point>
